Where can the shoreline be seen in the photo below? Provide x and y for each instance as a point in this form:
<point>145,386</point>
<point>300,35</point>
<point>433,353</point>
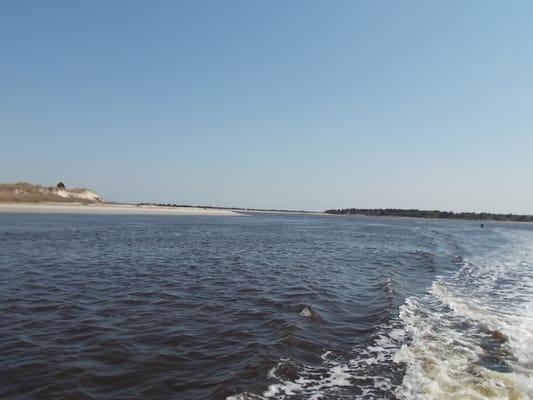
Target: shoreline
<point>121,209</point>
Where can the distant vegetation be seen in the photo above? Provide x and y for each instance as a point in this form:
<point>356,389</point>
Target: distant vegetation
<point>396,212</point>
<point>223,208</point>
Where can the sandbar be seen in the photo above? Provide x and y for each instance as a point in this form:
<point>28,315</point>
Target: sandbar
<point>79,208</point>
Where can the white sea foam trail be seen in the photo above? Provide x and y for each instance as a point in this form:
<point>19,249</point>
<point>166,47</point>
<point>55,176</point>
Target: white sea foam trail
<point>471,336</point>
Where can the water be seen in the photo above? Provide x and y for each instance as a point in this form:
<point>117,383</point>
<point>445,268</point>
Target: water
<point>264,306</point>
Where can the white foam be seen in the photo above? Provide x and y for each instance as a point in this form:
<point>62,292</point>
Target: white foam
<point>487,303</point>
<point>310,382</point>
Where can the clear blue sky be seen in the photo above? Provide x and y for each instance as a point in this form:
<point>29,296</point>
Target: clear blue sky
<point>282,104</point>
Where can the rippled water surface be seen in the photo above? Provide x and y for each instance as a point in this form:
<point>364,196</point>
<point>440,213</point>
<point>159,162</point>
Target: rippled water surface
<point>264,306</point>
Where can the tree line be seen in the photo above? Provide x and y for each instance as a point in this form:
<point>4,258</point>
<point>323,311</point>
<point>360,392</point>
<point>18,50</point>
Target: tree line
<point>398,212</point>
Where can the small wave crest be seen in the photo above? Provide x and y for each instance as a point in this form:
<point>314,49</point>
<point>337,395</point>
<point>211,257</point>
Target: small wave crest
<point>367,372</point>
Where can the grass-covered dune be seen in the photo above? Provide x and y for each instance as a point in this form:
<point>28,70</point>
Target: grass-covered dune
<point>30,193</point>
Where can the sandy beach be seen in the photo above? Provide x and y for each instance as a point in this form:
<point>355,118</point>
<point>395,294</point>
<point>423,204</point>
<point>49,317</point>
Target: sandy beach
<point>78,208</point>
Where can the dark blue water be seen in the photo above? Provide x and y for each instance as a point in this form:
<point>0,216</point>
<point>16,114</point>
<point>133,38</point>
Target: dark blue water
<point>257,306</point>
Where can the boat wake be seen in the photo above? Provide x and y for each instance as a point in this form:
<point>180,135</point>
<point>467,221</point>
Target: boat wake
<point>470,336</point>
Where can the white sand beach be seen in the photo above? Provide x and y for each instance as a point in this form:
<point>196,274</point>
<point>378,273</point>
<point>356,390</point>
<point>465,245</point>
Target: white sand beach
<point>79,208</point>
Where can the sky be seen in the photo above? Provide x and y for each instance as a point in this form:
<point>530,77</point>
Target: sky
<point>272,104</point>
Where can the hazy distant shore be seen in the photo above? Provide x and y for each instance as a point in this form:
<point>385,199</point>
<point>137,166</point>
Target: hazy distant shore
<point>78,208</point>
